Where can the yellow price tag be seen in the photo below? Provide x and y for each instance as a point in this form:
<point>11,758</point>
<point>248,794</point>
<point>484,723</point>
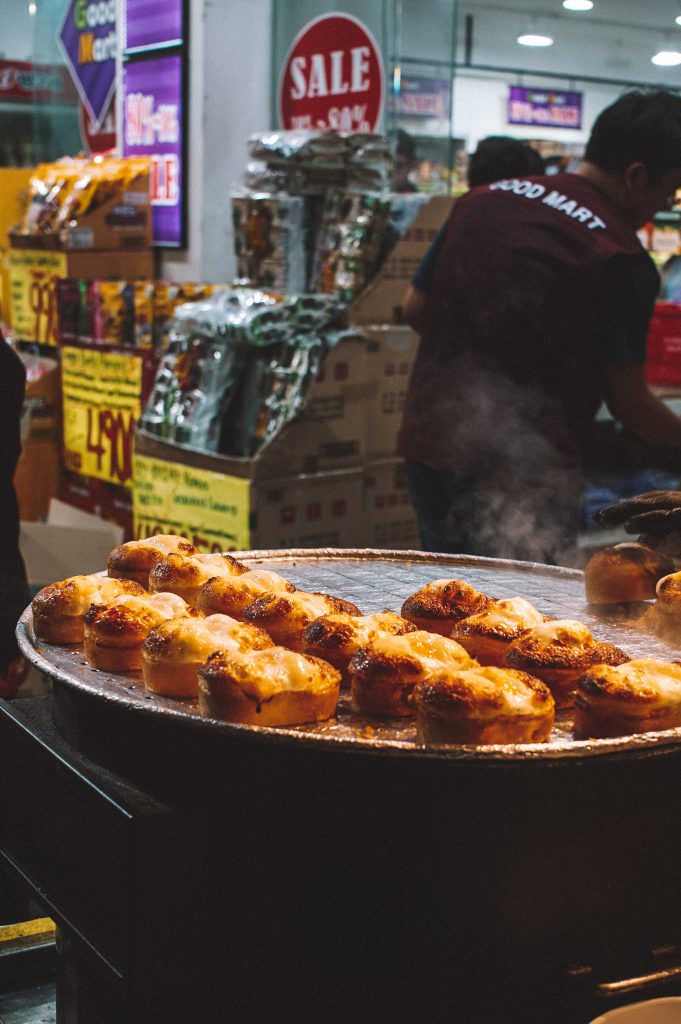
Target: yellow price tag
<point>33,299</point>
<point>101,403</point>
<point>210,509</point>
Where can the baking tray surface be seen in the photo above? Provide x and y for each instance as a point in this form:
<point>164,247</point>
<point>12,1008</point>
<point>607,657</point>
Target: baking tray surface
<point>378,580</point>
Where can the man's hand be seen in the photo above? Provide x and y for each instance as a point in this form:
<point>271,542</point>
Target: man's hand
<point>655,513</point>
<point>12,676</point>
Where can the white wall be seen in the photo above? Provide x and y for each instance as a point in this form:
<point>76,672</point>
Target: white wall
<point>229,96</point>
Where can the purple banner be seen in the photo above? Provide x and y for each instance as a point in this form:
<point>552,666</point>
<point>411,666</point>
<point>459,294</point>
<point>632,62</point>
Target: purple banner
<point>152,126</point>
<point>423,97</point>
<point>153,23</point>
<point>550,108</point>
<point>87,37</point>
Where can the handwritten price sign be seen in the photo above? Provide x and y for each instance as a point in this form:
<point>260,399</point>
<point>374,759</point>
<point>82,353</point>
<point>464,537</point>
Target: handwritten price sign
<point>33,275</point>
<point>101,394</point>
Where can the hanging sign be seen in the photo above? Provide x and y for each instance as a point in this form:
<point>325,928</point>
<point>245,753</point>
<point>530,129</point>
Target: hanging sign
<point>87,38</point>
<point>23,81</point>
<point>152,123</point>
<point>423,97</point>
<point>549,108</point>
<point>332,77</point>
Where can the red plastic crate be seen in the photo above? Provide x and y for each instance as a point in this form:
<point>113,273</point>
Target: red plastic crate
<point>664,344</point>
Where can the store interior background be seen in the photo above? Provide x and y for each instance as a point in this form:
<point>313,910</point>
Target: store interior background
<point>237,49</point>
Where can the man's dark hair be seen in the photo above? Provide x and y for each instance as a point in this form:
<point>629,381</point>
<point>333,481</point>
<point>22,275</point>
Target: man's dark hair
<point>639,126</point>
<point>500,156</point>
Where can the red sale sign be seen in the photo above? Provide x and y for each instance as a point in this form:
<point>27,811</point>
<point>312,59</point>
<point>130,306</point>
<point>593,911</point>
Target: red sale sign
<point>332,77</point>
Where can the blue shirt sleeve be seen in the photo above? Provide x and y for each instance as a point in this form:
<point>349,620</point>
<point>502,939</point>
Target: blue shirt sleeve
<point>424,271</point>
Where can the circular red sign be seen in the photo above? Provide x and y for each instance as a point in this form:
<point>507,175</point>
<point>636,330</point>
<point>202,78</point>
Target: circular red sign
<point>332,77</point>
<point>102,139</point>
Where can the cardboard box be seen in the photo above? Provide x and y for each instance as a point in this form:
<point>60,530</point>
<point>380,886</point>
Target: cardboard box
<point>36,480</point>
<point>390,356</point>
<point>381,301</point>
<point>200,499</point>
<point>328,434</point>
<point>34,271</point>
<point>389,520</point>
<point>68,544</point>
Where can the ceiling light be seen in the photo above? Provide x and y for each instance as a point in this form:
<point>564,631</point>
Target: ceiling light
<point>666,58</point>
<point>534,39</point>
<point>677,19</point>
<point>578,5</point>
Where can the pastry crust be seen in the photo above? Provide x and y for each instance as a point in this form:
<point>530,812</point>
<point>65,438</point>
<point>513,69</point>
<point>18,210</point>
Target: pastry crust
<point>232,595</point>
<point>485,704</point>
<point>115,632</point>
<point>559,652</point>
<point>487,634</point>
<point>664,618</point>
<point>441,603</point>
<point>58,609</point>
<point>135,559</point>
<point>273,687</point>
<point>383,674</point>
<point>185,574</point>
<point>337,637</point>
<point>643,695</point>
<point>624,573</point>
<point>174,650</point>
<point>286,616</point>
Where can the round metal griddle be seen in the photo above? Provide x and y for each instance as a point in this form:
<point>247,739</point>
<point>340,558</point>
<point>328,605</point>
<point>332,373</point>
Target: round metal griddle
<point>378,580</point>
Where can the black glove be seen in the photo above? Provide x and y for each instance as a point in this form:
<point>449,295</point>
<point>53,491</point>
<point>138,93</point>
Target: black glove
<point>656,513</point>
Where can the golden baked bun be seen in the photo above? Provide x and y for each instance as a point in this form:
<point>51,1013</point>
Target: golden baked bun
<point>441,603</point>
<point>286,616</point>
<point>58,609</point>
<point>558,652</point>
<point>664,618</point>
<point>269,687</point>
<point>487,634</point>
<point>232,595</point>
<point>384,673</point>
<point>115,632</point>
<point>623,573</point>
<point>338,637</point>
<point>173,651</point>
<point>135,559</point>
<point>643,695</point>
<point>185,574</point>
<point>483,705</point>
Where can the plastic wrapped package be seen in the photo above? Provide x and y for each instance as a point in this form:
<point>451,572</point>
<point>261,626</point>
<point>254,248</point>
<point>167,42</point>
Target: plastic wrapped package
<point>349,242</point>
<point>269,239</point>
<point>237,368</point>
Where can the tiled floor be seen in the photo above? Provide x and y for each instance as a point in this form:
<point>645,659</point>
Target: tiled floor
<point>29,1006</point>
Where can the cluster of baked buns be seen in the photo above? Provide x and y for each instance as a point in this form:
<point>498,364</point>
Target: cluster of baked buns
<point>254,649</point>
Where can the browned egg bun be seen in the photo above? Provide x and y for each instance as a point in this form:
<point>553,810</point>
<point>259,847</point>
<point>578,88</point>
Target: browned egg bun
<point>174,650</point>
<point>273,687</point>
<point>441,603</point>
<point>623,573</point>
<point>115,632</point>
<point>338,637</point>
<point>136,559</point>
<point>487,634</point>
<point>286,616</point>
<point>232,595</point>
<point>58,609</point>
<point>643,695</point>
<point>664,618</point>
<point>185,574</point>
<point>384,673</point>
<point>483,705</point>
<point>558,652</point>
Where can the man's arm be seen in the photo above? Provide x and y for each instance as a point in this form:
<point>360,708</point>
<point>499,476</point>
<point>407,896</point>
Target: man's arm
<point>634,405</point>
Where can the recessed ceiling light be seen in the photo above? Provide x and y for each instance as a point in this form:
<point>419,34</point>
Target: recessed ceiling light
<point>534,39</point>
<point>677,19</point>
<point>578,5</point>
<point>667,58</point>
